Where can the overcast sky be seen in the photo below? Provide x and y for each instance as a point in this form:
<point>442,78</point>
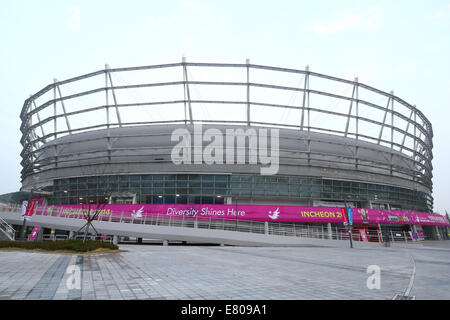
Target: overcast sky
<point>391,45</point>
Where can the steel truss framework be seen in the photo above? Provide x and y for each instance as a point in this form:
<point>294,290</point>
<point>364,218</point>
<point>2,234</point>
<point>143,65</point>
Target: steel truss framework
<point>415,127</point>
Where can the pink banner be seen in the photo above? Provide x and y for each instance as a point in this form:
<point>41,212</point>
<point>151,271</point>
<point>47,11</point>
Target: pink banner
<point>374,216</point>
<point>250,212</point>
<point>30,210</point>
<point>34,233</point>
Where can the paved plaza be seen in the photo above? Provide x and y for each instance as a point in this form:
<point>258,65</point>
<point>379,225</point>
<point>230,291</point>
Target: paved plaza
<point>214,272</point>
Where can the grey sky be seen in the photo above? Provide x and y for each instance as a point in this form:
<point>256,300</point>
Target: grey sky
<point>401,46</point>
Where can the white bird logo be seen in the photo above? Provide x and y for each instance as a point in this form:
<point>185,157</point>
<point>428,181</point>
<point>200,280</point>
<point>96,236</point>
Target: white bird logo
<point>275,214</point>
<point>138,214</point>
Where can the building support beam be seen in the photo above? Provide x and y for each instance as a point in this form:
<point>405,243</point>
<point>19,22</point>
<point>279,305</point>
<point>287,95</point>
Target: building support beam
<point>63,106</point>
<point>384,119</point>
<point>39,120</point>
<point>186,88</point>
<point>305,98</point>
<point>350,111</point>
<point>108,72</point>
<point>406,131</point>
<point>248,91</point>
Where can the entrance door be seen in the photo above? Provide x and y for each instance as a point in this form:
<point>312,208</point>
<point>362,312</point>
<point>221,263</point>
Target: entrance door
<point>367,233</point>
<point>123,199</point>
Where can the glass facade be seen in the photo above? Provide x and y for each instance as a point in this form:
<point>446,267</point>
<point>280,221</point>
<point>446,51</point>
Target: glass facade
<point>213,189</point>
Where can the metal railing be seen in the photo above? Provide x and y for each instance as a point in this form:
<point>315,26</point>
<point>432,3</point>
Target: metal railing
<point>104,238</point>
<point>7,229</point>
<point>62,237</point>
<point>227,224</point>
<point>53,237</point>
<point>237,225</point>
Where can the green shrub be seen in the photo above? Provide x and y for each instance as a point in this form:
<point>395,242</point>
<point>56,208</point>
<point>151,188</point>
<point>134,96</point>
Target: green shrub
<point>73,245</point>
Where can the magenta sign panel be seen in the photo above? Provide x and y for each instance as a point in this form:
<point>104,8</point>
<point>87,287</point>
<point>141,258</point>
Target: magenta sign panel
<point>398,217</point>
<point>34,233</point>
<point>249,212</point>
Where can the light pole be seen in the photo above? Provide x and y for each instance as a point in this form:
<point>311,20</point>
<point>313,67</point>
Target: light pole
<point>349,213</point>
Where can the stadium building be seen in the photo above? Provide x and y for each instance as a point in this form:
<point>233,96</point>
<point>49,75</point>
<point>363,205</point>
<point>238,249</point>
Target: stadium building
<point>107,137</point>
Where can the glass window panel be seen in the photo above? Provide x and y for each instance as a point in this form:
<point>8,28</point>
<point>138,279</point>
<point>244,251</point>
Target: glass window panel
<point>306,181</point>
<point>182,190</point>
<point>181,199</point>
<point>147,184</point>
<point>283,190</point>
<point>147,190</point>
<point>194,177</point>
<point>337,183</point>
<point>221,191</point>
<point>221,178</point>
<point>221,184</point>
<point>294,180</point>
<point>195,184</point>
<point>305,194</point>
<point>82,186</point>
<point>208,200</point>
<point>169,199</point>
<point>220,200</point>
<point>182,177</point>
<point>259,180</point>
<point>207,177</point>
<point>208,185</point>
<point>182,183</point>
<point>235,178</point>
<point>157,199</point>
<point>169,191</point>
<point>92,180</point>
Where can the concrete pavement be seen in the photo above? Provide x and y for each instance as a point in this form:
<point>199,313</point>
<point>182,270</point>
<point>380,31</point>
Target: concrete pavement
<point>214,272</point>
